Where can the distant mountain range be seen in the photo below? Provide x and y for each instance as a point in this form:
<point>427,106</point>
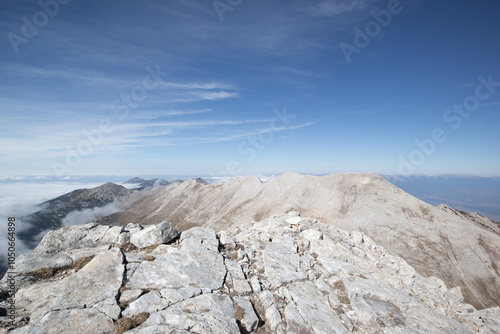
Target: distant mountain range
<point>460,248</point>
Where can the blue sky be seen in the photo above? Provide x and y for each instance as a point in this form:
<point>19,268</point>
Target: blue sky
<point>156,87</point>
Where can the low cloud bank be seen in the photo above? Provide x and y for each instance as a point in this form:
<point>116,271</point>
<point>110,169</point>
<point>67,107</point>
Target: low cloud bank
<point>20,199</point>
<point>89,215</point>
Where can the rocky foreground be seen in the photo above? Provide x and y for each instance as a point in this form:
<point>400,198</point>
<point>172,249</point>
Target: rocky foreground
<point>286,274</point>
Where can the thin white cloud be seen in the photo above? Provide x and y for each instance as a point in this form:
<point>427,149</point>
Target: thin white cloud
<point>336,7</point>
<point>196,85</point>
<point>297,71</point>
<point>167,113</point>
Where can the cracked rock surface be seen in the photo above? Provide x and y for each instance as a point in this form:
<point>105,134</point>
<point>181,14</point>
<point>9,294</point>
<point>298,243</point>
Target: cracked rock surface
<point>286,274</point>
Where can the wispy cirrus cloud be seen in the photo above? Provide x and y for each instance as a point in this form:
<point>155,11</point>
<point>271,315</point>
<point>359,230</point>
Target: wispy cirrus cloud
<point>337,7</point>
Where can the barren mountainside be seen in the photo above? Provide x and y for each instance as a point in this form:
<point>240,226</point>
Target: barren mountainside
<point>52,212</point>
<point>436,242</point>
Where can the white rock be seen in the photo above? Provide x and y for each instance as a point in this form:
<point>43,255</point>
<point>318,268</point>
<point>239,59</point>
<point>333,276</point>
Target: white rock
<point>273,318</point>
<point>255,284</point>
<point>99,280</point>
<point>186,266</point>
<point>176,295</point>
<point>130,295</point>
<point>226,241</point>
<point>153,235</point>
<point>73,237</point>
<point>151,302</point>
<point>210,313</point>
<point>240,283</point>
<point>133,228</point>
<point>312,234</point>
<point>357,237</point>
<point>293,214</point>
<point>201,236</point>
<point>74,321</point>
<point>282,263</point>
<point>310,301</point>
<point>293,220</point>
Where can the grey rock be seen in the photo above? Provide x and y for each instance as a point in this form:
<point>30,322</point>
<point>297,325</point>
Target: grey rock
<point>249,320</point>
<point>130,295</point>
<point>311,302</point>
<point>151,302</point>
<point>133,228</point>
<point>295,323</point>
<point>282,263</point>
<point>114,235</point>
<point>157,329</point>
<point>201,236</point>
<point>77,254</point>
<point>210,313</point>
<point>186,266</point>
<point>176,295</point>
<point>99,280</point>
<point>273,318</point>
<point>154,234</point>
<point>74,321</point>
<point>131,268</point>
<point>240,283</point>
<point>226,241</point>
<point>134,257</point>
<point>80,236</point>
<point>255,284</point>
<point>33,262</point>
<point>109,307</point>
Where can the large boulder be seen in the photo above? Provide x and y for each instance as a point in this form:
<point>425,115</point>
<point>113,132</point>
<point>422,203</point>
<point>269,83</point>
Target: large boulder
<point>82,236</point>
<point>155,234</point>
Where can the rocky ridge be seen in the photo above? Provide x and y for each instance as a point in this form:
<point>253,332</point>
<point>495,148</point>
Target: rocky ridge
<point>286,274</point>
<point>486,223</point>
<point>435,242</point>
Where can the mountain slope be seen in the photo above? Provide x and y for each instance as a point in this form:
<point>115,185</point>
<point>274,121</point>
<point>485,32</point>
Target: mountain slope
<point>53,212</point>
<point>435,242</point>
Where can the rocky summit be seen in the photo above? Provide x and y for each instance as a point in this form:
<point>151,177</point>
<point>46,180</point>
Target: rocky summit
<point>461,249</point>
<point>286,274</point>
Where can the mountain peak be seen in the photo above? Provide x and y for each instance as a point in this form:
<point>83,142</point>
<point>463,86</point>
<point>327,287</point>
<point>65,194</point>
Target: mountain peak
<point>422,234</point>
